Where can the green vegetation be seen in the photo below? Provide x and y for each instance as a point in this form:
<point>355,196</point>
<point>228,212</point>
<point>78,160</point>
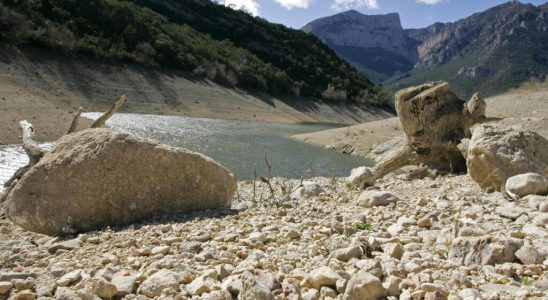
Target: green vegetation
<point>527,281</point>
<point>362,226</point>
<point>210,40</point>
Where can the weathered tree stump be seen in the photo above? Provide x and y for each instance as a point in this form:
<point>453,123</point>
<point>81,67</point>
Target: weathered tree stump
<point>434,121</point>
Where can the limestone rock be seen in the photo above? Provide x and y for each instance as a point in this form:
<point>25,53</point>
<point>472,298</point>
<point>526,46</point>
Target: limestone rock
<point>364,286</point>
<point>360,177</point>
<point>468,251</point>
<point>69,278</point>
<point>5,287</point>
<point>529,255</point>
<point>376,198</point>
<point>103,177</point>
<point>157,282</point>
<point>527,184</point>
<point>324,276</point>
<point>497,152</point>
<point>124,284</point>
<point>252,290</point>
<point>345,254</point>
<point>309,189</point>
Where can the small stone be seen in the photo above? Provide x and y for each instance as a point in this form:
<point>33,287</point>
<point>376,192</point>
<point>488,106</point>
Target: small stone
<point>364,286</point>
<point>25,295</point>
<point>510,211</point>
<point>193,247</point>
<point>541,219</point>
<point>529,255</point>
<point>66,245</point>
<point>200,285</point>
<point>392,285</point>
<point>125,285</point>
<point>103,288</point>
<point>543,207</point>
<point>269,281</point>
<point>293,234</point>
<point>69,278</point>
<point>394,250</point>
<point>5,287</point>
<point>311,294</point>
<point>345,254</point>
<point>376,198</point>
<point>307,190</point>
<point>324,276</point>
<point>425,222</point>
<point>252,290</point>
<point>157,282</point>
<point>527,184</point>
<point>360,177</point>
<point>327,293</point>
<point>470,294</point>
<point>163,250</point>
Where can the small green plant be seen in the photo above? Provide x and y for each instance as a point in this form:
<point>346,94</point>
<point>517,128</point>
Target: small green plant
<point>526,281</point>
<point>362,226</point>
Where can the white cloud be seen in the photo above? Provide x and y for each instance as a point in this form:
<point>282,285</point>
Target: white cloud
<point>290,4</point>
<point>430,2</point>
<point>250,6</point>
<point>348,4</point>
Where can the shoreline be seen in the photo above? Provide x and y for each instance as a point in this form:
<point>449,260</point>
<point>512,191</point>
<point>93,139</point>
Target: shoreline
<point>526,107</point>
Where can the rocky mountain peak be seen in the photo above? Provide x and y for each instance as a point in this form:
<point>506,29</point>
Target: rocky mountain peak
<point>362,39</point>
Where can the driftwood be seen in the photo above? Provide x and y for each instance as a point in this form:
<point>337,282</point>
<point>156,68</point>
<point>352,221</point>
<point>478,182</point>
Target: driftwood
<point>103,119</point>
<point>434,121</point>
<point>35,153</point>
<point>75,121</point>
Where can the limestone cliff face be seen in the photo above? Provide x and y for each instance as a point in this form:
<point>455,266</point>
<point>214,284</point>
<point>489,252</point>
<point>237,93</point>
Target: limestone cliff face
<point>482,34</point>
<point>375,44</point>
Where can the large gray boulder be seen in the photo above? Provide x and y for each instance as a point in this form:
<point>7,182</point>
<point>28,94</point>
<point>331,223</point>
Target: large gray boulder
<point>527,184</point>
<point>103,177</point>
<point>497,152</point>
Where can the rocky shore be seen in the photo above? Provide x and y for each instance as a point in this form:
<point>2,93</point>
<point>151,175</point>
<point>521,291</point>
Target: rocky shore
<point>429,238</point>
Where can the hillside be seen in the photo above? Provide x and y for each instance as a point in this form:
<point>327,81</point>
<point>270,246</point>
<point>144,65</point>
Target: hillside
<point>491,51</point>
<point>45,87</point>
<point>377,45</point>
<point>212,41</point>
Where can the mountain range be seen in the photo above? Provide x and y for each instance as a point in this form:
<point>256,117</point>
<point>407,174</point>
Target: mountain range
<point>490,51</point>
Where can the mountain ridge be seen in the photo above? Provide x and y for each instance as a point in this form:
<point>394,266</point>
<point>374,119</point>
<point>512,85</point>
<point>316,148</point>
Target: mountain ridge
<point>490,51</point>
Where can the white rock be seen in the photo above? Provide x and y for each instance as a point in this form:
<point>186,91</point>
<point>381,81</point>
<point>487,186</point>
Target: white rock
<point>5,287</point>
<point>157,282</point>
<point>345,254</point>
<point>69,278</point>
<point>252,290</point>
<point>202,284</point>
<point>309,189</point>
<point>529,255</point>
<point>324,276</point>
<point>376,198</point>
<point>527,184</point>
<point>124,284</point>
<point>541,219</point>
<point>394,250</point>
<point>160,250</point>
<point>364,286</point>
<point>360,177</point>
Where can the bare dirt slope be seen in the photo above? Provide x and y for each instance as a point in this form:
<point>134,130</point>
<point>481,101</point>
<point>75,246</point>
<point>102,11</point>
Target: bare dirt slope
<point>526,107</point>
<point>45,87</point>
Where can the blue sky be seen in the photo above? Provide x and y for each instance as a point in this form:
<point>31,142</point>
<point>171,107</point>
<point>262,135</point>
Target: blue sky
<point>413,13</point>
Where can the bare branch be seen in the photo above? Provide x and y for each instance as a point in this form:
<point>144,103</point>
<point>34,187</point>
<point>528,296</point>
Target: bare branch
<point>75,121</point>
<point>103,119</point>
<point>29,144</point>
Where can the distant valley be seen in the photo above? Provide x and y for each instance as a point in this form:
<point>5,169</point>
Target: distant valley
<point>490,51</point>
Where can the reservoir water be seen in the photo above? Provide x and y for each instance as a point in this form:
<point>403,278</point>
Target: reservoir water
<point>238,145</point>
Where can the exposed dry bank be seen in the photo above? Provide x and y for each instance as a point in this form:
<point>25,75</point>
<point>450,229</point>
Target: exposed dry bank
<point>526,107</point>
<point>45,88</point>
<point>438,237</point>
